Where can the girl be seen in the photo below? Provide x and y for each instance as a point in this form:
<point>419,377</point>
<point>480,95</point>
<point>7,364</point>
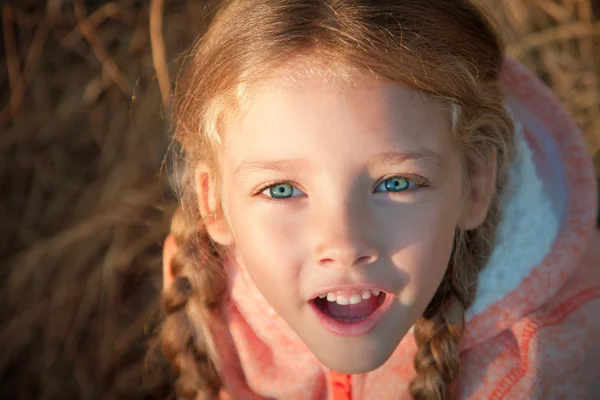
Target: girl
<point>376,204</point>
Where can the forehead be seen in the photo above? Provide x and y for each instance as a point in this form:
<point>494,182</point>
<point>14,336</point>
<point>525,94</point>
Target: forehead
<point>293,113</point>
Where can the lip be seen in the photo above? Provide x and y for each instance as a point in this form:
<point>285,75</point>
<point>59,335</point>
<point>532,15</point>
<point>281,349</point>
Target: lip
<point>365,285</point>
<point>357,328</point>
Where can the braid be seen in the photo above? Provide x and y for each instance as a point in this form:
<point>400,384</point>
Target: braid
<point>437,334</point>
<point>191,305</point>
<point>440,328</point>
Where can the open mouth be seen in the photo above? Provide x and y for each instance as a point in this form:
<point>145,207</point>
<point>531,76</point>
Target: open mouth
<point>351,313</point>
<point>355,307</point>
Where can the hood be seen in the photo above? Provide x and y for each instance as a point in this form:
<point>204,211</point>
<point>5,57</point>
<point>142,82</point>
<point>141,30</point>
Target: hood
<point>548,214</point>
<point>549,211</point>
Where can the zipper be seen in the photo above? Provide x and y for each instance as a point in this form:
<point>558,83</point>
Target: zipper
<point>341,386</point>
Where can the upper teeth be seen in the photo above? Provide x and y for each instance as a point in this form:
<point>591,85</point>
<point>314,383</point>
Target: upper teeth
<point>354,298</point>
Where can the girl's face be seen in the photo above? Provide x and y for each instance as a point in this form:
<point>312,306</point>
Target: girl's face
<point>342,204</point>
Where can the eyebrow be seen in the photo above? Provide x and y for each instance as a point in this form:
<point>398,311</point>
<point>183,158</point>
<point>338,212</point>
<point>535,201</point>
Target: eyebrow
<point>249,166</point>
<point>397,157</point>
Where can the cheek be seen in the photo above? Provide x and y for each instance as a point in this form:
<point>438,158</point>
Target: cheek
<point>267,232</point>
<point>270,247</point>
<point>426,240</point>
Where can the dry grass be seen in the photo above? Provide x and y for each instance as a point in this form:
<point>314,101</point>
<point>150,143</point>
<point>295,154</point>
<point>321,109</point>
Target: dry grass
<point>82,138</point>
<point>83,206</point>
<point>560,41</point>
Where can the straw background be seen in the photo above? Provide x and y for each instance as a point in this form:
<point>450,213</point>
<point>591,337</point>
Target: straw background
<point>84,209</point>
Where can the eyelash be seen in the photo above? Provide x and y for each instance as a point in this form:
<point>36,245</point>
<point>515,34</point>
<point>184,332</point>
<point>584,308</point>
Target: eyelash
<point>419,181</point>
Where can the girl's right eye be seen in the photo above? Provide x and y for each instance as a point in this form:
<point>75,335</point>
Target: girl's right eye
<point>281,191</point>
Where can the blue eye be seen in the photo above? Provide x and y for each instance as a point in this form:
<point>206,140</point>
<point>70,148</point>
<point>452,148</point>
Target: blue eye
<point>395,184</point>
<point>280,191</point>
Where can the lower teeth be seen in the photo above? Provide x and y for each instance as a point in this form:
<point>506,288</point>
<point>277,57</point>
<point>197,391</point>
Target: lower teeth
<point>350,319</point>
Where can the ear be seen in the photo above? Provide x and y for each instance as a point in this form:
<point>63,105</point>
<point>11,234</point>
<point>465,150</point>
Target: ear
<point>210,209</point>
<point>482,184</point>
<point>169,249</point>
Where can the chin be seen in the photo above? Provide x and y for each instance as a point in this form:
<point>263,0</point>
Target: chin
<point>342,360</point>
<point>353,365</point>
<point>361,353</point>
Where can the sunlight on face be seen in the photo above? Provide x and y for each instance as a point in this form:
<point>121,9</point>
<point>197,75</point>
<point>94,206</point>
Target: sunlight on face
<point>335,190</point>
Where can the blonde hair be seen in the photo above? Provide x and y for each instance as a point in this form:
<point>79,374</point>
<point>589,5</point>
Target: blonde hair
<point>445,49</point>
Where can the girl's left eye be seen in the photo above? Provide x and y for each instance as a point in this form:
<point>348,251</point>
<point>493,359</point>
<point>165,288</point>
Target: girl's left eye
<point>395,184</point>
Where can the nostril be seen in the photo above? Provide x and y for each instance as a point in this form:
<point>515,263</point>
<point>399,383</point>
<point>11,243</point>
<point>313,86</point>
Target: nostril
<point>326,261</point>
<point>366,260</point>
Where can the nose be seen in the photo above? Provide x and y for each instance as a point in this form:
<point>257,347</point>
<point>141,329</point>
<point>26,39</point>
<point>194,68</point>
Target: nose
<point>343,238</point>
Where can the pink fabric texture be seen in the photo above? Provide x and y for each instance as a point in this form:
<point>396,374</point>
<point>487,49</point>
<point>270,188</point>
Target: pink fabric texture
<point>540,341</point>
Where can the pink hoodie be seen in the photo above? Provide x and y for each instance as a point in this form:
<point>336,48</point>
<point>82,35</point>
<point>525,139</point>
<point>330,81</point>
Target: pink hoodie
<point>534,329</point>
